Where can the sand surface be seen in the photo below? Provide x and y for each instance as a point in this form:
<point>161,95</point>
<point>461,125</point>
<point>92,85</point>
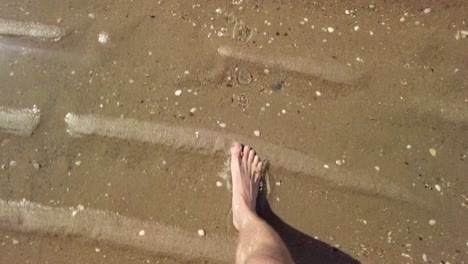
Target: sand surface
<point>360,107</point>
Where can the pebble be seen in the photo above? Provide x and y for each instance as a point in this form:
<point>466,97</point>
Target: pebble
<point>408,146</point>
<point>244,77</point>
<point>339,162</point>
<point>371,6</point>
<point>15,242</point>
<point>326,166</point>
<point>97,250</point>
<point>178,92</point>
<point>427,10</point>
<point>36,165</point>
<point>277,85</point>
<point>318,93</point>
<point>103,38</point>
<point>78,163</point>
<point>330,29</point>
<point>219,184</point>
<point>223,125</point>
<point>3,167</point>
<point>402,19</point>
<point>193,110</point>
<point>257,133</point>
<point>432,222</point>
<point>437,187</point>
<point>356,28</point>
<point>141,233</point>
<point>266,71</point>
<point>433,152</point>
<point>377,168</point>
<point>424,257</point>
<point>13,163</point>
<point>201,232</point>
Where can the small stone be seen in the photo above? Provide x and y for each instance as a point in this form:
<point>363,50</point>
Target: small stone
<point>193,110</point>
<point>432,222</point>
<point>371,6</point>
<point>356,28</point>
<point>283,111</point>
<point>339,162</point>
<point>424,257</point>
<point>201,232</point>
<point>408,146</point>
<point>277,85</point>
<point>433,152</point>
<point>103,38</point>
<point>266,71</point>
<point>97,250</point>
<point>15,242</point>
<point>427,10</point>
<point>3,167</point>
<point>141,233</point>
<point>257,133</point>
<point>36,165</point>
<point>59,20</point>
<point>131,81</point>
<point>278,183</point>
<point>13,163</point>
<point>178,92</point>
<point>223,125</point>
<point>402,19</point>
<point>78,163</point>
<point>377,168</point>
<point>326,166</point>
<point>91,15</point>
<point>330,29</point>
<point>186,72</point>
<point>318,93</point>
<point>219,184</point>
<point>437,187</point>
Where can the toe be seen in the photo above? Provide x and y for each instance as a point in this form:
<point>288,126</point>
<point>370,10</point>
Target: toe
<point>258,170</point>
<point>255,162</point>
<point>236,149</point>
<point>250,159</point>
<point>246,154</point>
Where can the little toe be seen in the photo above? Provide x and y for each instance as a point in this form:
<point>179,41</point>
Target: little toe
<point>258,172</point>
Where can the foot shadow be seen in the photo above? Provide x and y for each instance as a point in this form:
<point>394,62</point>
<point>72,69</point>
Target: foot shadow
<point>303,248</point>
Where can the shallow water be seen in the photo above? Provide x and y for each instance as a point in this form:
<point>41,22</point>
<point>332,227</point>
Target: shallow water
<point>398,122</point>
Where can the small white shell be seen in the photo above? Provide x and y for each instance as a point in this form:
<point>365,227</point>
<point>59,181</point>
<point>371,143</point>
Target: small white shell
<point>201,232</point>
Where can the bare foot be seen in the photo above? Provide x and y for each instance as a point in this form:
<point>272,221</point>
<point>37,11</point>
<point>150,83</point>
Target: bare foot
<point>245,169</point>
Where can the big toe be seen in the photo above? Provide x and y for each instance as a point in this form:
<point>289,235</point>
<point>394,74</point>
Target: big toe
<point>236,149</point>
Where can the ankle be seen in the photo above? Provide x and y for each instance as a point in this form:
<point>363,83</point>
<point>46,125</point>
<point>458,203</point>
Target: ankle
<point>245,217</point>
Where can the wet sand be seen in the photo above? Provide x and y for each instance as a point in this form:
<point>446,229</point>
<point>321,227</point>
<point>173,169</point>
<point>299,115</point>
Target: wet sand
<point>374,165</point>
